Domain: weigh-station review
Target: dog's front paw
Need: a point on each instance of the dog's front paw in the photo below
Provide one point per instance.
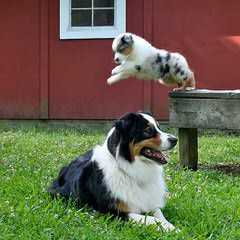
(165, 226)
(149, 220)
(168, 227)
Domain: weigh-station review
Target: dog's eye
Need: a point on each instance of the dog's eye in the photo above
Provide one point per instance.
(148, 131)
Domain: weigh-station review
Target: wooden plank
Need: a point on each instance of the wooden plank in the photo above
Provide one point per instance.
(147, 32)
(204, 93)
(44, 59)
(204, 113)
(188, 148)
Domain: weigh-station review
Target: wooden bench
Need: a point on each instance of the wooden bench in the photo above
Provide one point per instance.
(190, 110)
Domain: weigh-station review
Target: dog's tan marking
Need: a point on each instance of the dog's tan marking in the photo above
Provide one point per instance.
(167, 81)
(122, 207)
(136, 148)
(131, 149)
(188, 84)
(191, 83)
(127, 51)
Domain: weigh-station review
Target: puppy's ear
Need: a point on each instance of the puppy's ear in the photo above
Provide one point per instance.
(127, 39)
(123, 125)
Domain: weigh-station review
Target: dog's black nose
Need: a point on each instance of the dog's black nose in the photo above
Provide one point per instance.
(116, 60)
(173, 140)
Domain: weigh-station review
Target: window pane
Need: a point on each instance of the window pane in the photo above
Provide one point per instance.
(104, 17)
(81, 18)
(103, 3)
(81, 3)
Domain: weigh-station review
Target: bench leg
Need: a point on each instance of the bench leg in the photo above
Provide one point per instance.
(188, 149)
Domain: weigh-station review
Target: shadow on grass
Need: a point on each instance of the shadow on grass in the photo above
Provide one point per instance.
(230, 169)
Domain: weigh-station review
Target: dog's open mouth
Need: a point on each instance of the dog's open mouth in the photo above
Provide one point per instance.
(154, 155)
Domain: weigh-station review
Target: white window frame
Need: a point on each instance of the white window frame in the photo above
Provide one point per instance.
(69, 32)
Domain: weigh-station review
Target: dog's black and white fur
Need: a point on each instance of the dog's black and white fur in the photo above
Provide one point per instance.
(124, 176)
(138, 58)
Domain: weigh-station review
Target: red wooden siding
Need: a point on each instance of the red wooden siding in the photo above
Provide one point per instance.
(207, 33)
(79, 69)
(19, 61)
(44, 77)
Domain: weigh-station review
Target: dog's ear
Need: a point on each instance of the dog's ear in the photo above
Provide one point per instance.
(146, 112)
(127, 39)
(123, 125)
(125, 130)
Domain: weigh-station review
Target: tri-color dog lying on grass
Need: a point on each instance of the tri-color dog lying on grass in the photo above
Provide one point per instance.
(138, 58)
(124, 176)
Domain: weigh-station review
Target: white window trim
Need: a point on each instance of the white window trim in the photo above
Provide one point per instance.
(68, 32)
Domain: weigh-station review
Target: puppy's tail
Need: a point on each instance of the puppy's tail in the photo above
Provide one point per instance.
(191, 82)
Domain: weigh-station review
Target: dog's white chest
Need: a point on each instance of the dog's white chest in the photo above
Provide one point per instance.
(139, 197)
(141, 187)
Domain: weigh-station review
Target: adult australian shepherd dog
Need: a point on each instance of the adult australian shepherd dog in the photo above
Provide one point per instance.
(124, 176)
(138, 58)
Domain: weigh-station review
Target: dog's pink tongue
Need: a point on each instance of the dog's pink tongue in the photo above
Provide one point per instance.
(154, 155)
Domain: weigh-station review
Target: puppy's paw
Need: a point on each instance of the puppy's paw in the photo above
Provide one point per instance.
(111, 80)
(189, 88)
(115, 71)
(183, 89)
(178, 89)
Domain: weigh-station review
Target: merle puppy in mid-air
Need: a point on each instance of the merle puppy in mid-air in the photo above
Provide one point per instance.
(138, 58)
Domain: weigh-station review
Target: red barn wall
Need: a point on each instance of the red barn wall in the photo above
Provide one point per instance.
(19, 61)
(79, 69)
(207, 33)
(44, 77)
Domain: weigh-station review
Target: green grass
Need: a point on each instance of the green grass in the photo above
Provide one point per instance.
(204, 204)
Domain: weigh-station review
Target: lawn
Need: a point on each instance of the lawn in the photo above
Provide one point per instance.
(204, 204)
